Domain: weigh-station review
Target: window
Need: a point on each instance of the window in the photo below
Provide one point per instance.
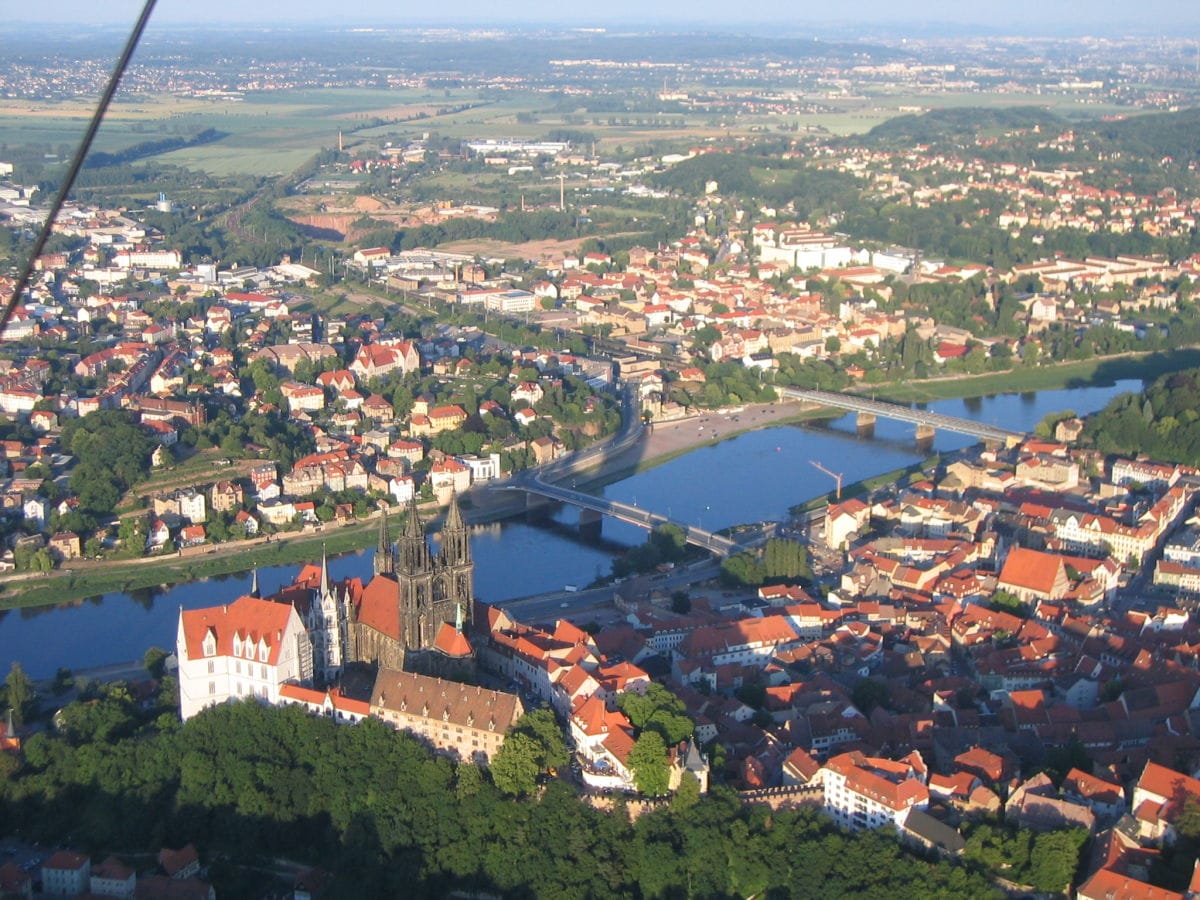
(212, 667)
(212, 688)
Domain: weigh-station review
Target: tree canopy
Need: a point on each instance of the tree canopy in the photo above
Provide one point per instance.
(246, 781)
(113, 455)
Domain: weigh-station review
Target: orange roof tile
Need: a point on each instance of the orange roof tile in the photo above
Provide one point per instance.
(247, 618)
(452, 642)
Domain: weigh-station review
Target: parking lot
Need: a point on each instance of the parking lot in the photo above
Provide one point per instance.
(29, 857)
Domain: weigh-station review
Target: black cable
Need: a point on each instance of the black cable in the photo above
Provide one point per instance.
(77, 162)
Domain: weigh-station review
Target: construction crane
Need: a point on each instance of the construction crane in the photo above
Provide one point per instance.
(836, 476)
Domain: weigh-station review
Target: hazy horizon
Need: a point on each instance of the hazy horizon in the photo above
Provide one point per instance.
(1018, 17)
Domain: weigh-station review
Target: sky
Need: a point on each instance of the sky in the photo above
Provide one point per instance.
(1168, 17)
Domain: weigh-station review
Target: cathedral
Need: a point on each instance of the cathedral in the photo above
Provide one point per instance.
(413, 612)
(412, 615)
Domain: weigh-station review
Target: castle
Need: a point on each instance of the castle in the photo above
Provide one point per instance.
(411, 616)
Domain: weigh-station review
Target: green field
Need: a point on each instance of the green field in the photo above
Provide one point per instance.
(274, 132)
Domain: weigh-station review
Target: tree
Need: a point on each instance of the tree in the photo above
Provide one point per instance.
(515, 766)
(742, 569)
(1054, 858)
(155, 661)
(19, 693)
(687, 795)
(869, 693)
(648, 762)
(657, 710)
(542, 728)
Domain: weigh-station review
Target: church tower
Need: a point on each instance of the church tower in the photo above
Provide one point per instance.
(385, 561)
(415, 583)
(455, 566)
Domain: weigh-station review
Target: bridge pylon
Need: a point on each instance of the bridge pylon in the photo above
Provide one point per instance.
(864, 423)
(591, 522)
(925, 435)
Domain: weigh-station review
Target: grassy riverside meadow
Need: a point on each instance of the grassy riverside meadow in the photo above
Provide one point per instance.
(68, 585)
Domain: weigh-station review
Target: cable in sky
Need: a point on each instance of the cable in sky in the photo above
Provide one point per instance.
(77, 162)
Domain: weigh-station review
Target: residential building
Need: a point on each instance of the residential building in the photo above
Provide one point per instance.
(66, 874)
(870, 792)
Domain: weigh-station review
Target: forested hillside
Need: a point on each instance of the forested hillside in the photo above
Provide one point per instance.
(247, 783)
(1162, 422)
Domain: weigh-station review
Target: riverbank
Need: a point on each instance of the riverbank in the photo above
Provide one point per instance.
(665, 441)
(1058, 376)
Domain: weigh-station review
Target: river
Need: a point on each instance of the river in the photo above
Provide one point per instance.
(753, 477)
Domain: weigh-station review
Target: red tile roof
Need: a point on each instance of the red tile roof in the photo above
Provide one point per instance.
(247, 618)
(452, 642)
(380, 607)
(1031, 569)
(1109, 885)
(66, 859)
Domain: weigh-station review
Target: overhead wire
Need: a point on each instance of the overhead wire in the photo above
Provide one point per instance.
(81, 153)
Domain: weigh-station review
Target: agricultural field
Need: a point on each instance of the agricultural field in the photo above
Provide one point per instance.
(272, 133)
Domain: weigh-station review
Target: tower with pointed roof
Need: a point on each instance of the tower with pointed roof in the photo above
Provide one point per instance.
(328, 624)
(414, 593)
(456, 569)
(385, 562)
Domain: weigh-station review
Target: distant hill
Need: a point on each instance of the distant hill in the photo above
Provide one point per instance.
(1150, 137)
(1154, 136)
(959, 125)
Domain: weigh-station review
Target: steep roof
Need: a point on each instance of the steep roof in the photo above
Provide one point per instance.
(1114, 886)
(436, 698)
(246, 618)
(66, 859)
(1031, 569)
(452, 642)
(380, 607)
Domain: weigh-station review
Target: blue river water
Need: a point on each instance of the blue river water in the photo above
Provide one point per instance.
(753, 477)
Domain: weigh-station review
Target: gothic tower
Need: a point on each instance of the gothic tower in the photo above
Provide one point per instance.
(455, 566)
(385, 561)
(415, 583)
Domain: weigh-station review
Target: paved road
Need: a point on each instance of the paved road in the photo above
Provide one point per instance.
(542, 607)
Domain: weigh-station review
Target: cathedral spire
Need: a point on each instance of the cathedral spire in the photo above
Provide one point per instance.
(413, 553)
(254, 592)
(385, 564)
(454, 520)
(412, 524)
(324, 573)
(456, 543)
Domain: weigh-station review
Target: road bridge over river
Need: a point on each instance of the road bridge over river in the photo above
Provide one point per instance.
(926, 420)
(715, 543)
